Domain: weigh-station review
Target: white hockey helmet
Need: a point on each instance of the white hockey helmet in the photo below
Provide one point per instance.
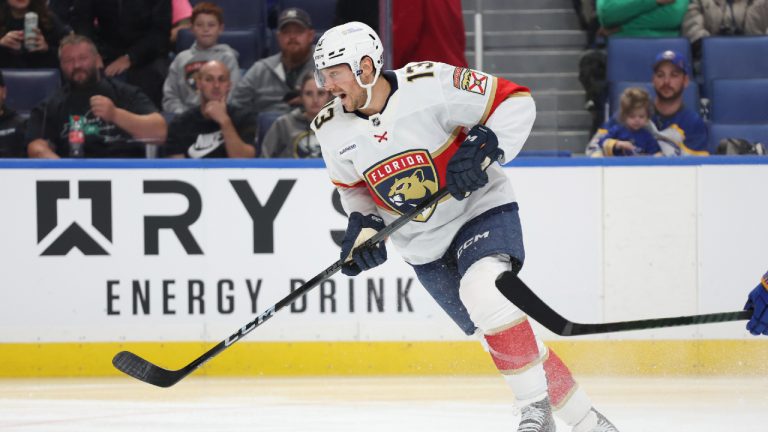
(349, 44)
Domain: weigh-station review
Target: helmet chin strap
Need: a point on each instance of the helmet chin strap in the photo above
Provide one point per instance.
(368, 89)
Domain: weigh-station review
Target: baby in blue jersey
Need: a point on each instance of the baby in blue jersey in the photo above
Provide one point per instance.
(629, 137)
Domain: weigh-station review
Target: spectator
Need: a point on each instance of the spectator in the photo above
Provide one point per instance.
(660, 18)
(213, 129)
(179, 91)
(290, 136)
(11, 128)
(270, 84)
(63, 10)
(132, 37)
(629, 136)
(585, 10)
(678, 129)
(422, 32)
(41, 53)
(706, 18)
(112, 119)
(757, 22)
(181, 13)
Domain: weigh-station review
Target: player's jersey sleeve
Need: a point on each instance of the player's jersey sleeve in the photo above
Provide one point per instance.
(474, 97)
(351, 186)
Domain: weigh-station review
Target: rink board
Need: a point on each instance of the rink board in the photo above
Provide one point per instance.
(179, 255)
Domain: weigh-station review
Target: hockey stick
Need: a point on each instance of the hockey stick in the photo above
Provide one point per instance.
(523, 297)
(148, 372)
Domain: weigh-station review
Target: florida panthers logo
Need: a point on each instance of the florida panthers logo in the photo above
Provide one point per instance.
(401, 182)
(409, 191)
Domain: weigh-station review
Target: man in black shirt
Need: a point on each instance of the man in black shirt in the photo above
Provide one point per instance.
(132, 37)
(111, 119)
(214, 129)
(11, 128)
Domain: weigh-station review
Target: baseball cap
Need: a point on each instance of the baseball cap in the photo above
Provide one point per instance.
(294, 15)
(2, 81)
(673, 57)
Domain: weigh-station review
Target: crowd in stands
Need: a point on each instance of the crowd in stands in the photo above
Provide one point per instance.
(150, 78)
(130, 82)
(685, 70)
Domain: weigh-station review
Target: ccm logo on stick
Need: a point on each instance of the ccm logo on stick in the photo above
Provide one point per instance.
(250, 326)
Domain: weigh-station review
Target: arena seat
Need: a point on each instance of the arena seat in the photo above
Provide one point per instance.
(28, 87)
(245, 41)
(240, 14)
(737, 101)
(751, 132)
(631, 59)
(733, 57)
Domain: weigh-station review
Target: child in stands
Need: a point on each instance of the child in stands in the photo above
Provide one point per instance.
(179, 91)
(630, 136)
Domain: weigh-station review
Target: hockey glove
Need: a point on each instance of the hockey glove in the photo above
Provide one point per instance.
(466, 169)
(758, 301)
(359, 229)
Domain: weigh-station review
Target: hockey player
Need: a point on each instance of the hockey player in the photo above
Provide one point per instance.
(758, 301)
(391, 139)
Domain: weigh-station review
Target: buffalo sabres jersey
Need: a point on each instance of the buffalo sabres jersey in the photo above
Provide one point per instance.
(387, 163)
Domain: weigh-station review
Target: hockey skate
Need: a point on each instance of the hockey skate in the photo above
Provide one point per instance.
(601, 424)
(537, 417)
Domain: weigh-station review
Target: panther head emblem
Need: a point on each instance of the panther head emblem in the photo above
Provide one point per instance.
(411, 190)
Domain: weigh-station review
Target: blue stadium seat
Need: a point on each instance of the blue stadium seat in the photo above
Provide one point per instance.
(245, 41)
(28, 87)
(739, 101)
(263, 123)
(240, 14)
(733, 57)
(323, 12)
(631, 59)
(690, 94)
(751, 132)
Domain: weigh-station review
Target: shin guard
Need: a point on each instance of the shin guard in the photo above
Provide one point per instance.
(515, 352)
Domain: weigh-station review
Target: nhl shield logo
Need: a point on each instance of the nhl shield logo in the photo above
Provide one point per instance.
(403, 181)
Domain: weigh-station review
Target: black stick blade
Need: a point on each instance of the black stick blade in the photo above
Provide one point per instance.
(521, 296)
(135, 366)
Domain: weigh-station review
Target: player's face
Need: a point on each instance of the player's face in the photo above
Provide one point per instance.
(669, 82)
(213, 82)
(340, 81)
(2, 96)
(637, 119)
(313, 98)
(79, 64)
(207, 30)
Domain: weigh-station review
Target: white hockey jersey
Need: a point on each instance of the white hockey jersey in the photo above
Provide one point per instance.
(387, 163)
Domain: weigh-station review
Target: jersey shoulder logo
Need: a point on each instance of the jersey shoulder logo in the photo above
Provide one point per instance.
(470, 80)
(403, 181)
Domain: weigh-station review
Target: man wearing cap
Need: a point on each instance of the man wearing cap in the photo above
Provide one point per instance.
(270, 84)
(11, 128)
(679, 129)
